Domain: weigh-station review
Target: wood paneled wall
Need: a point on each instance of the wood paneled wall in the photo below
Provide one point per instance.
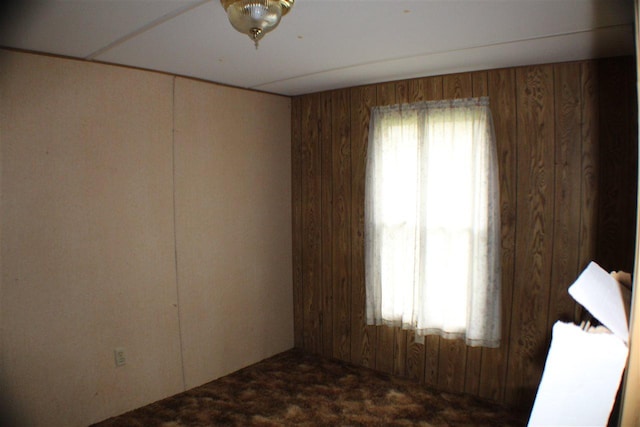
(547, 121)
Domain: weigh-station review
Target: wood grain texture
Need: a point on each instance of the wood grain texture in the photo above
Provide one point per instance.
(453, 353)
(631, 165)
(402, 92)
(480, 83)
(609, 153)
(386, 93)
(617, 157)
(363, 337)
(341, 224)
(568, 176)
(625, 242)
(326, 230)
(630, 412)
(385, 345)
(311, 224)
(502, 98)
(617, 149)
(416, 91)
(550, 133)
(296, 206)
(534, 234)
(589, 132)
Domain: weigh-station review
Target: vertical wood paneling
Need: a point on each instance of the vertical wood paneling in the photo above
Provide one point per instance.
(326, 230)
(416, 90)
(386, 342)
(402, 91)
(453, 353)
(631, 389)
(432, 87)
(457, 86)
(363, 337)
(556, 127)
(341, 224)
(311, 224)
(296, 204)
(617, 154)
(589, 167)
(480, 83)
(502, 91)
(535, 178)
(386, 93)
(611, 125)
(625, 253)
(568, 177)
(631, 164)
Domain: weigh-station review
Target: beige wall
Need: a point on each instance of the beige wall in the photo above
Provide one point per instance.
(132, 218)
(233, 222)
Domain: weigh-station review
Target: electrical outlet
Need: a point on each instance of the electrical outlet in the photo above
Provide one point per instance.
(120, 357)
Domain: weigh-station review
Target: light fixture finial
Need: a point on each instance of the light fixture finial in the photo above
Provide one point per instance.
(256, 35)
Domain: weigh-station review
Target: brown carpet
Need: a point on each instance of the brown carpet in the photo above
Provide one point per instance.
(298, 389)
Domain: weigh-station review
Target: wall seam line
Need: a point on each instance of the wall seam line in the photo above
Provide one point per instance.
(175, 233)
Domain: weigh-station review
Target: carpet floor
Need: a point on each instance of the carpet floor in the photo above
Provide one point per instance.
(298, 389)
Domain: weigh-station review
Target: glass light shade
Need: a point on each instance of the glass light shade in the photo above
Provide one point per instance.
(255, 18)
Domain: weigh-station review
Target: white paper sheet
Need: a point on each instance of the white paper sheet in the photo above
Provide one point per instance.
(581, 378)
(601, 294)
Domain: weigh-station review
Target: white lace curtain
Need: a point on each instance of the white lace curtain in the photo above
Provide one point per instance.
(432, 225)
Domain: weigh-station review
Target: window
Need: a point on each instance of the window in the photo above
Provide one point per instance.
(432, 226)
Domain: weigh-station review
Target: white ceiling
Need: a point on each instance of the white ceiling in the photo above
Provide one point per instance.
(323, 44)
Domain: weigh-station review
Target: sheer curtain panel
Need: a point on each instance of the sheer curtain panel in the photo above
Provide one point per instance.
(432, 225)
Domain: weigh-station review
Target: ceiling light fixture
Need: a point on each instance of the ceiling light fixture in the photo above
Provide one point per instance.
(255, 18)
